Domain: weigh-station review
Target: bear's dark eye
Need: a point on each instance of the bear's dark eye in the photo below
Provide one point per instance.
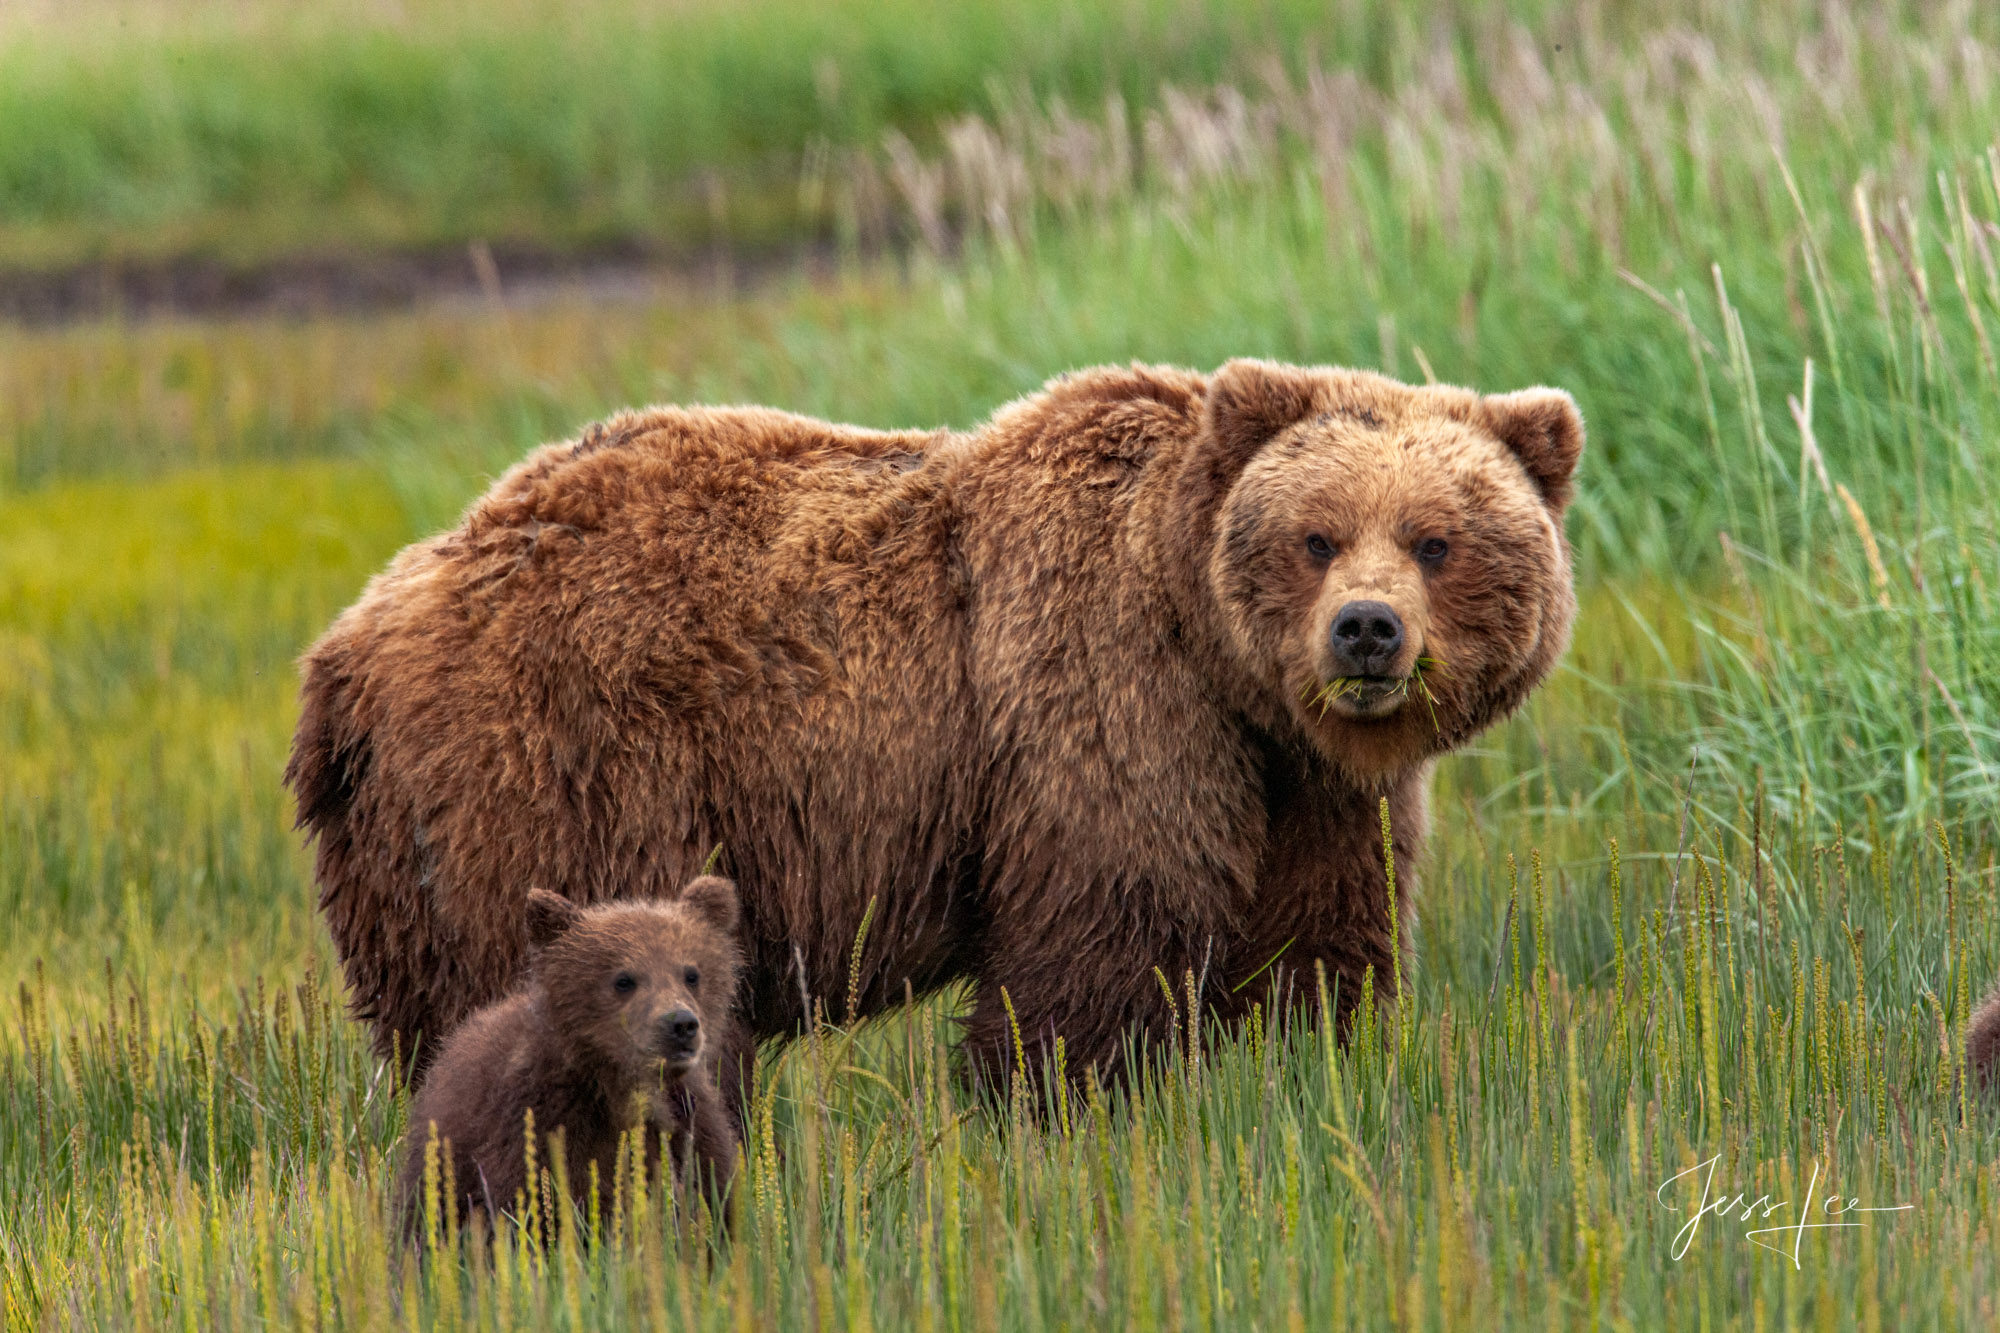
(1432, 549)
(625, 983)
(1319, 548)
(692, 977)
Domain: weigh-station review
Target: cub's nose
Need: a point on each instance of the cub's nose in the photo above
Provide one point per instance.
(679, 1034)
(1366, 638)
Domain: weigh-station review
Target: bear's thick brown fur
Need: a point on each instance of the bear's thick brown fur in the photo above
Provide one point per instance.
(618, 1027)
(1982, 1044)
(1051, 695)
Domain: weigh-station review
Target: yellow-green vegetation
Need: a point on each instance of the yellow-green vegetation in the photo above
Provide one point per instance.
(1726, 889)
(246, 131)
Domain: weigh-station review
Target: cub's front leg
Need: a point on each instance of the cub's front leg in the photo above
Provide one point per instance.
(701, 1142)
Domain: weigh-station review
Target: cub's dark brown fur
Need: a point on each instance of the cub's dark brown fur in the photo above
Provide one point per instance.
(1051, 695)
(1982, 1044)
(618, 1026)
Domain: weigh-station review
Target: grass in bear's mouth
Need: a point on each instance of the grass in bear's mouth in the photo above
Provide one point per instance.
(1416, 683)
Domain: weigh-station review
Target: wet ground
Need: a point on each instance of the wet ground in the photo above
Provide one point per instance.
(313, 285)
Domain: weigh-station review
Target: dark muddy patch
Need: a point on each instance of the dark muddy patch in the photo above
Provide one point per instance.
(308, 286)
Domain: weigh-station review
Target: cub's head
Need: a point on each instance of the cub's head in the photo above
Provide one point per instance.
(638, 986)
(1389, 560)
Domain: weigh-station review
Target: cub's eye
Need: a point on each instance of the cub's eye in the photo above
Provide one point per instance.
(692, 977)
(1432, 549)
(1319, 548)
(625, 983)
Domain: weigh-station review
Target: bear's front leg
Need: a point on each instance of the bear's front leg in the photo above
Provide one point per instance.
(1095, 994)
(1322, 903)
(712, 1144)
(735, 1068)
(692, 1148)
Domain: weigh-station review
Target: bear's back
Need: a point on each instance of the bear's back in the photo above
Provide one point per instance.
(748, 464)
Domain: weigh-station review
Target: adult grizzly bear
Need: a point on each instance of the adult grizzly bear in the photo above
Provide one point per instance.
(1112, 682)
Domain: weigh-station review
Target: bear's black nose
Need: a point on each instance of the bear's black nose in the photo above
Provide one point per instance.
(1366, 638)
(679, 1031)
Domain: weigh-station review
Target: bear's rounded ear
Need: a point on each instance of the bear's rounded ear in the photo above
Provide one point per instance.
(1545, 431)
(1249, 402)
(549, 915)
(712, 899)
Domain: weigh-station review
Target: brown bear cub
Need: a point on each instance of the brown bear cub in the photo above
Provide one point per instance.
(617, 1027)
(1982, 1045)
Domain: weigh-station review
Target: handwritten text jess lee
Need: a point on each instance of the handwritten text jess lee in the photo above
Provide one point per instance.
(1762, 1208)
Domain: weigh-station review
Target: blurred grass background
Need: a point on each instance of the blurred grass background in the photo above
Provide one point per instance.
(1762, 247)
(254, 129)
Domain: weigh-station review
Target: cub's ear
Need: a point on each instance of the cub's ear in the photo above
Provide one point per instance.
(1249, 402)
(549, 915)
(1545, 431)
(712, 899)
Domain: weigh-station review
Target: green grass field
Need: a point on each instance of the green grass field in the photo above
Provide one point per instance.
(1726, 889)
(247, 130)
